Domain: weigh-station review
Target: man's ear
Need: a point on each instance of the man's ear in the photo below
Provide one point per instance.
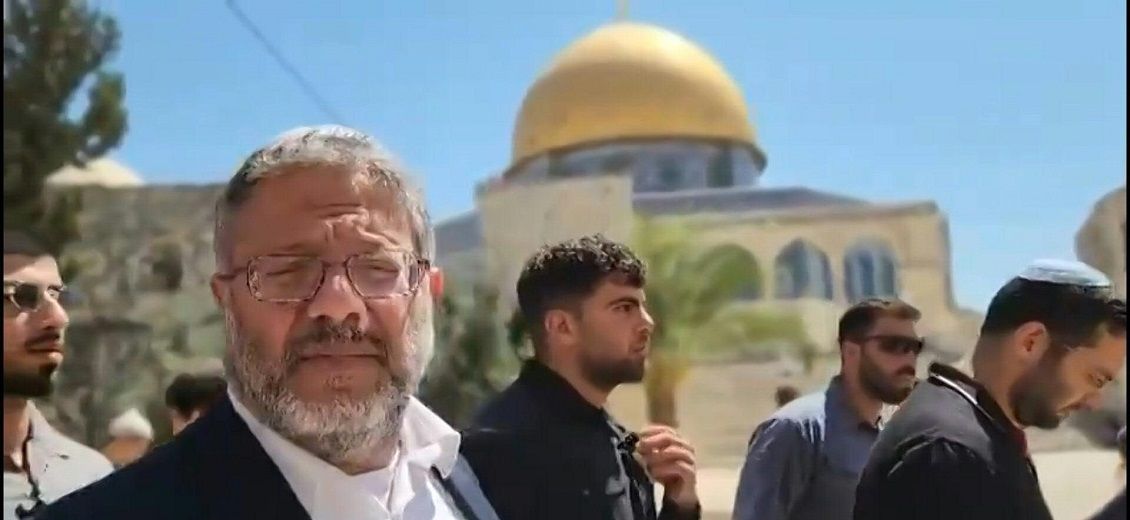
(436, 283)
(1031, 340)
(219, 290)
(561, 324)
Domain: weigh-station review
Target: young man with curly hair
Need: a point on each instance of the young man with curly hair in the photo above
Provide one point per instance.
(546, 447)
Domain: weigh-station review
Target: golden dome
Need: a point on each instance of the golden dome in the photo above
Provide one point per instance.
(629, 81)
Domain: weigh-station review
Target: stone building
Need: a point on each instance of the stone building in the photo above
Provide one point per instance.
(642, 103)
(1101, 242)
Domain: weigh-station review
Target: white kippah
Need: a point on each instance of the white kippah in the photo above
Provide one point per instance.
(1065, 272)
(131, 424)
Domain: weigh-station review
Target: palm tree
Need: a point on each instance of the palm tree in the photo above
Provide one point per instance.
(691, 292)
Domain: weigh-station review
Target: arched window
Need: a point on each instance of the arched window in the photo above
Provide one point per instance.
(870, 271)
(669, 175)
(720, 169)
(802, 271)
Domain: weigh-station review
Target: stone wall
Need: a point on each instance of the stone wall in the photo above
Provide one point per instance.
(917, 234)
(1101, 242)
(517, 220)
(143, 309)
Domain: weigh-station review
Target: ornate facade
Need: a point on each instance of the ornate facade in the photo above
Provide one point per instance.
(641, 103)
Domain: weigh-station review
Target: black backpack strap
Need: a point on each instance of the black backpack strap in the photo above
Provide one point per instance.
(463, 487)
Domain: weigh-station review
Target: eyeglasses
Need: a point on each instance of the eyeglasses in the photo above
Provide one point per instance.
(293, 279)
(27, 297)
(898, 345)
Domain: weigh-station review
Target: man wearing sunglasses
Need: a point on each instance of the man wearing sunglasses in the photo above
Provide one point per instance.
(804, 461)
(1052, 338)
(323, 273)
(40, 464)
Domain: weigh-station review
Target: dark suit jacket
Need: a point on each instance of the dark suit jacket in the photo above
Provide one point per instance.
(216, 470)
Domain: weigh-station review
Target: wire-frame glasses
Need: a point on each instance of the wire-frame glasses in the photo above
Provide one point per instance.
(296, 278)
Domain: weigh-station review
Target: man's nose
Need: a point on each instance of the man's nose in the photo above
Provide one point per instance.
(337, 300)
(648, 321)
(52, 314)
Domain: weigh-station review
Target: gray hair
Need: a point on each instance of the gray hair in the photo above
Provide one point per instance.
(329, 145)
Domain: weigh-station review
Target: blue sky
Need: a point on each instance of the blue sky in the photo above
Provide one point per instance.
(1010, 114)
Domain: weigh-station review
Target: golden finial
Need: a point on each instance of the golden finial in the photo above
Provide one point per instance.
(621, 9)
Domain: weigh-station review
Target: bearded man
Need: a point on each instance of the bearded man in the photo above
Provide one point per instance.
(323, 253)
(1052, 338)
(40, 463)
(546, 447)
(804, 461)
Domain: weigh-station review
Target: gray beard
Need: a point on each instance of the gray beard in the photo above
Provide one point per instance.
(339, 431)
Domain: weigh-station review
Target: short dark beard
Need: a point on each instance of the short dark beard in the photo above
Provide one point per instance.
(1034, 395)
(30, 385)
(878, 385)
(607, 375)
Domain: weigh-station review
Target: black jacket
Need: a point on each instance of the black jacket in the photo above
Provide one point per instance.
(949, 452)
(216, 470)
(542, 452)
(1113, 510)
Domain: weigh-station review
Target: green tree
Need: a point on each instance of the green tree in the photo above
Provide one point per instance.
(469, 365)
(691, 292)
(53, 50)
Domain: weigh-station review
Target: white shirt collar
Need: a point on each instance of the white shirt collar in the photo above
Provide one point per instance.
(426, 441)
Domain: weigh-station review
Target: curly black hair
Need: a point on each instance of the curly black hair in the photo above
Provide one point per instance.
(560, 276)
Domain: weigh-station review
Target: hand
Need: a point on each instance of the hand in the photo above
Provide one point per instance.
(669, 459)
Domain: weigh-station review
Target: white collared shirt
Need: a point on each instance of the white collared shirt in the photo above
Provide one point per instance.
(405, 490)
(59, 465)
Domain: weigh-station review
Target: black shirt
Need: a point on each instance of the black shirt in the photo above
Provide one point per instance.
(950, 452)
(542, 452)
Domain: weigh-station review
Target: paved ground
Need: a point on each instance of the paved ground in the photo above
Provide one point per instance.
(1075, 484)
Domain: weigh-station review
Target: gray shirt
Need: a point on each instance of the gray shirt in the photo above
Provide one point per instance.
(58, 464)
(805, 460)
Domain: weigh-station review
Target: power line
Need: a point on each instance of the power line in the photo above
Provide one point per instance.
(307, 87)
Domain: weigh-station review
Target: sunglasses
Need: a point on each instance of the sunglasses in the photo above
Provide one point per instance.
(28, 297)
(898, 345)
